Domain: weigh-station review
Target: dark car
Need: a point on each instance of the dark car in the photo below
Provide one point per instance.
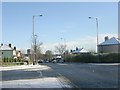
(40, 61)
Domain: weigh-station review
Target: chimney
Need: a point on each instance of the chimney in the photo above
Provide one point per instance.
(1, 44)
(106, 38)
(76, 48)
(10, 45)
(15, 48)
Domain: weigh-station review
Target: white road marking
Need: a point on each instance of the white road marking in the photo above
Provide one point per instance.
(104, 63)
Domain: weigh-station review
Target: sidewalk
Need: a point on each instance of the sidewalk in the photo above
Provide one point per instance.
(42, 82)
(23, 67)
(33, 83)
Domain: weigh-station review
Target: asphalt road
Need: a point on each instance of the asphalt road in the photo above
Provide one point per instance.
(88, 75)
(76, 75)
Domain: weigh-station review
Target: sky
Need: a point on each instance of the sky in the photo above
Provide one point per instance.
(66, 20)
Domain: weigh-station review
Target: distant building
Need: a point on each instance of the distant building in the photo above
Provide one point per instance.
(111, 45)
(78, 51)
(6, 51)
(28, 51)
(29, 54)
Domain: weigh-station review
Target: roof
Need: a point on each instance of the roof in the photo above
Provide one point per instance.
(82, 50)
(5, 47)
(111, 41)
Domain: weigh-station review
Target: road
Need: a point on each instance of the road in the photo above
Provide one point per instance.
(88, 75)
(76, 75)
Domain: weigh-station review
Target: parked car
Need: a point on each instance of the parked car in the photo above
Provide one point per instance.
(47, 61)
(61, 61)
(26, 60)
(54, 61)
(40, 61)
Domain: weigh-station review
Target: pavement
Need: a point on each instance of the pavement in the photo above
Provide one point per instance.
(40, 82)
(24, 67)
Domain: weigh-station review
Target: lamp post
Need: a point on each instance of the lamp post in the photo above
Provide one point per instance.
(64, 42)
(96, 30)
(34, 40)
(65, 46)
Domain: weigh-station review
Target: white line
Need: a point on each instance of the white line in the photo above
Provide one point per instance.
(104, 63)
(41, 74)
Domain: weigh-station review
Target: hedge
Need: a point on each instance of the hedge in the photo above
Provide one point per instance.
(93, 58)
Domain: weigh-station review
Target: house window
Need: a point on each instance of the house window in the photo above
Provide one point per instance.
(2, 52)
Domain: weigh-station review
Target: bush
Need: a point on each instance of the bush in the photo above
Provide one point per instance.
(112, 58)
(91, 58)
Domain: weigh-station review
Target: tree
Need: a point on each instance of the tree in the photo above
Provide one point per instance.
(39, 51)
(60, 49)
(48, 54)
(36, 51)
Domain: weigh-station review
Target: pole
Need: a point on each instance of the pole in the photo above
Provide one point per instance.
(97, 39)
(64, 46)
(97, 33)
(33, 43)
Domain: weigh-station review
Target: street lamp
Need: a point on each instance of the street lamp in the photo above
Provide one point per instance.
(64, 42)
(34, 40)
(65, 46)
(96, 29)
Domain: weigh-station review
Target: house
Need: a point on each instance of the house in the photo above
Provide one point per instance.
(111, 45)
(78, 51)
(6, 51)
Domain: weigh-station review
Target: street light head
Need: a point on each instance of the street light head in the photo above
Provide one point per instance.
(35, 35)
(41, 15)
(89, 17)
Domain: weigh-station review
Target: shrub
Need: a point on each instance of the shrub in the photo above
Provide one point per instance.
(112, 58)
(91, 58)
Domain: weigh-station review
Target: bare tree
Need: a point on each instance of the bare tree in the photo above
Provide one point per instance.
(36, 51)
(60, 49)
